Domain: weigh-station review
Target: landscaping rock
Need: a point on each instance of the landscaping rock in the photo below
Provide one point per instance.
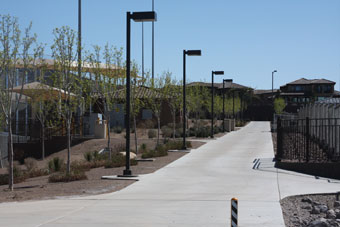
(307, 200)
(307, 207)
(315, 210)
(319, 223)
(331, 214)
(323, 208)
(337, 213)
(336, 204)
(132, 155)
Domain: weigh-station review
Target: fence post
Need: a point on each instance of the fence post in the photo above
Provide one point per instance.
(307, 139)
(278, 156)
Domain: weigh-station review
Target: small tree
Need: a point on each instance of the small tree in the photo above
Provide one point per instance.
(14, 54)
(279, 105)
(173, 95)
(156, 98)
(67, 83)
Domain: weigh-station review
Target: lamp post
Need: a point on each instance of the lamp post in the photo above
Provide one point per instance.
(225, 81)
(273, 82)
(189, 53)
(212, 99)
(137, 17)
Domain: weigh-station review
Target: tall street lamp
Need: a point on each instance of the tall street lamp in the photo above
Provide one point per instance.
(212, 99)
(225, 81)
(189, 53)
(137, 17)
(273, 82)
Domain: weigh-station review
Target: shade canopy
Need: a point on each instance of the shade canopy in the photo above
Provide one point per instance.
(37, 90)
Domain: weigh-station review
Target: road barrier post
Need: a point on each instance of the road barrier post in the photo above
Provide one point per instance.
(234, 208)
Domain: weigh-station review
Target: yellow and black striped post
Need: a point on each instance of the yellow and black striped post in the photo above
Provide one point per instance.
(234, 202)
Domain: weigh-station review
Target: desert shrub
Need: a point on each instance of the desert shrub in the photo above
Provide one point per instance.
(74, 175)
(30, 164)
(240, 123)
(55, 164)
(37, 173)
(143, 148)
(203, 132)
(179, 132)
(118, 129)
(166, 131)
(216, 129)
(177, 145)
(192, 131)
(118, 160)
(18, 176)
(88, 156)
(80, 166)
(149, 124)
(3, 179)
(152, 133)
(154, 153)
(95, 155)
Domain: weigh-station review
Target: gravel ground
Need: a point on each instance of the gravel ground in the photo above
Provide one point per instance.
(316, 210)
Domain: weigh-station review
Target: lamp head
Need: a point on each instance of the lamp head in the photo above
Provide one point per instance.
(218, 72)
(144, 16)
(193, 52)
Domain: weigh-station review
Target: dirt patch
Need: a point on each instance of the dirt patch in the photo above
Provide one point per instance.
(39, 187)
(311, 210)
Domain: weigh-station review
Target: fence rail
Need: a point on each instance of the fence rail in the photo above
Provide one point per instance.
(308, 140)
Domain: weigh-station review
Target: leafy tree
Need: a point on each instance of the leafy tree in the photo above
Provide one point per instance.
(68, 84)
(103, 83)
(279, 105)
(14, 54)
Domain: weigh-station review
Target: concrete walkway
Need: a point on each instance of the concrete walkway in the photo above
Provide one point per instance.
(192, 191)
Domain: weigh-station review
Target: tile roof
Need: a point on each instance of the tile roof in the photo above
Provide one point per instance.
(311, 81)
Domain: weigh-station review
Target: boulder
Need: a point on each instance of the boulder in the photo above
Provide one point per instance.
(336, 204)
(319, 223)
(132, 155)
(306, 200)
(331, 214)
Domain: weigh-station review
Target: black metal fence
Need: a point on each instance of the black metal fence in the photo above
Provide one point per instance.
(308, 140)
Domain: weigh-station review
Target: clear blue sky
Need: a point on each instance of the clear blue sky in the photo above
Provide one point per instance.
(247, 39)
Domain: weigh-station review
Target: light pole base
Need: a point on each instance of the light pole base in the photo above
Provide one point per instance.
(126, 173)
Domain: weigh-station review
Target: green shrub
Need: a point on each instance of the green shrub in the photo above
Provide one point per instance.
(203, 132)
(118, 129)
(88, 156)
(118, 160)
(143, 148)
(152, 133)
(155, 153)
(18, 176)
(55, 164)
(166, 131)
(64, 177)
